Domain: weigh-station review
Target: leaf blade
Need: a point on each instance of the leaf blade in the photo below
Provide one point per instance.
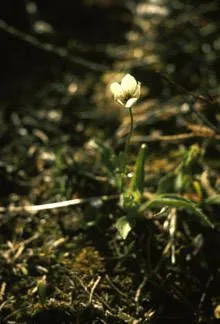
(123, 226)
(177, 202)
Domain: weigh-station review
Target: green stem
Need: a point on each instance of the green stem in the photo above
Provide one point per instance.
(129, 137)
(126, 150)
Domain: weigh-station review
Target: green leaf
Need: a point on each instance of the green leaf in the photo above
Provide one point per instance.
(213, 200)
(42, 289)
(177, 202)
(106, 154)
(167, 183)
(107, 157)
(138, 178)
(123, 226)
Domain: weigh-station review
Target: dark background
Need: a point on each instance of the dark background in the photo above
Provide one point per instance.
(185, 47)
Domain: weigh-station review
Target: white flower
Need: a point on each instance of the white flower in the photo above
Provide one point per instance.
(127, 92)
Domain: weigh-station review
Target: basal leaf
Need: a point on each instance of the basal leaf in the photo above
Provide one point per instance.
(177, 202)
(123, 226)
(213, 200)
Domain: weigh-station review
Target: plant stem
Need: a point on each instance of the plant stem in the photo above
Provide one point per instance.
(129, 137)
(127, 144)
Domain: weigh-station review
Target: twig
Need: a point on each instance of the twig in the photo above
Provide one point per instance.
(170, 138)
(193, 95)
(2, 291)
(114, 287)
(93, 289)
(57, 50)
(60, 204)
(206, 184)
(172, 231)
(202, 118)
(204, 294)
(139, 290)
(97, 297)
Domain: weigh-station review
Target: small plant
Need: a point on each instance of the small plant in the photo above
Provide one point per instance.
(172, 189)
(130, 185)
(126, 94)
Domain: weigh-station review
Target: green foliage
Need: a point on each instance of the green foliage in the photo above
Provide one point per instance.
(179, 203)
(182, 179)
(69, 265)
(123, 226)
(213, 200)
(112, 163)
(107, 156)
(42, 289)
(137, 183)
(167, 183)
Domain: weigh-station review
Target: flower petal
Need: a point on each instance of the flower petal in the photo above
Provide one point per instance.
(137, 92)
(116, 90)
(118, 100)
(129, 84)
(130, 102)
